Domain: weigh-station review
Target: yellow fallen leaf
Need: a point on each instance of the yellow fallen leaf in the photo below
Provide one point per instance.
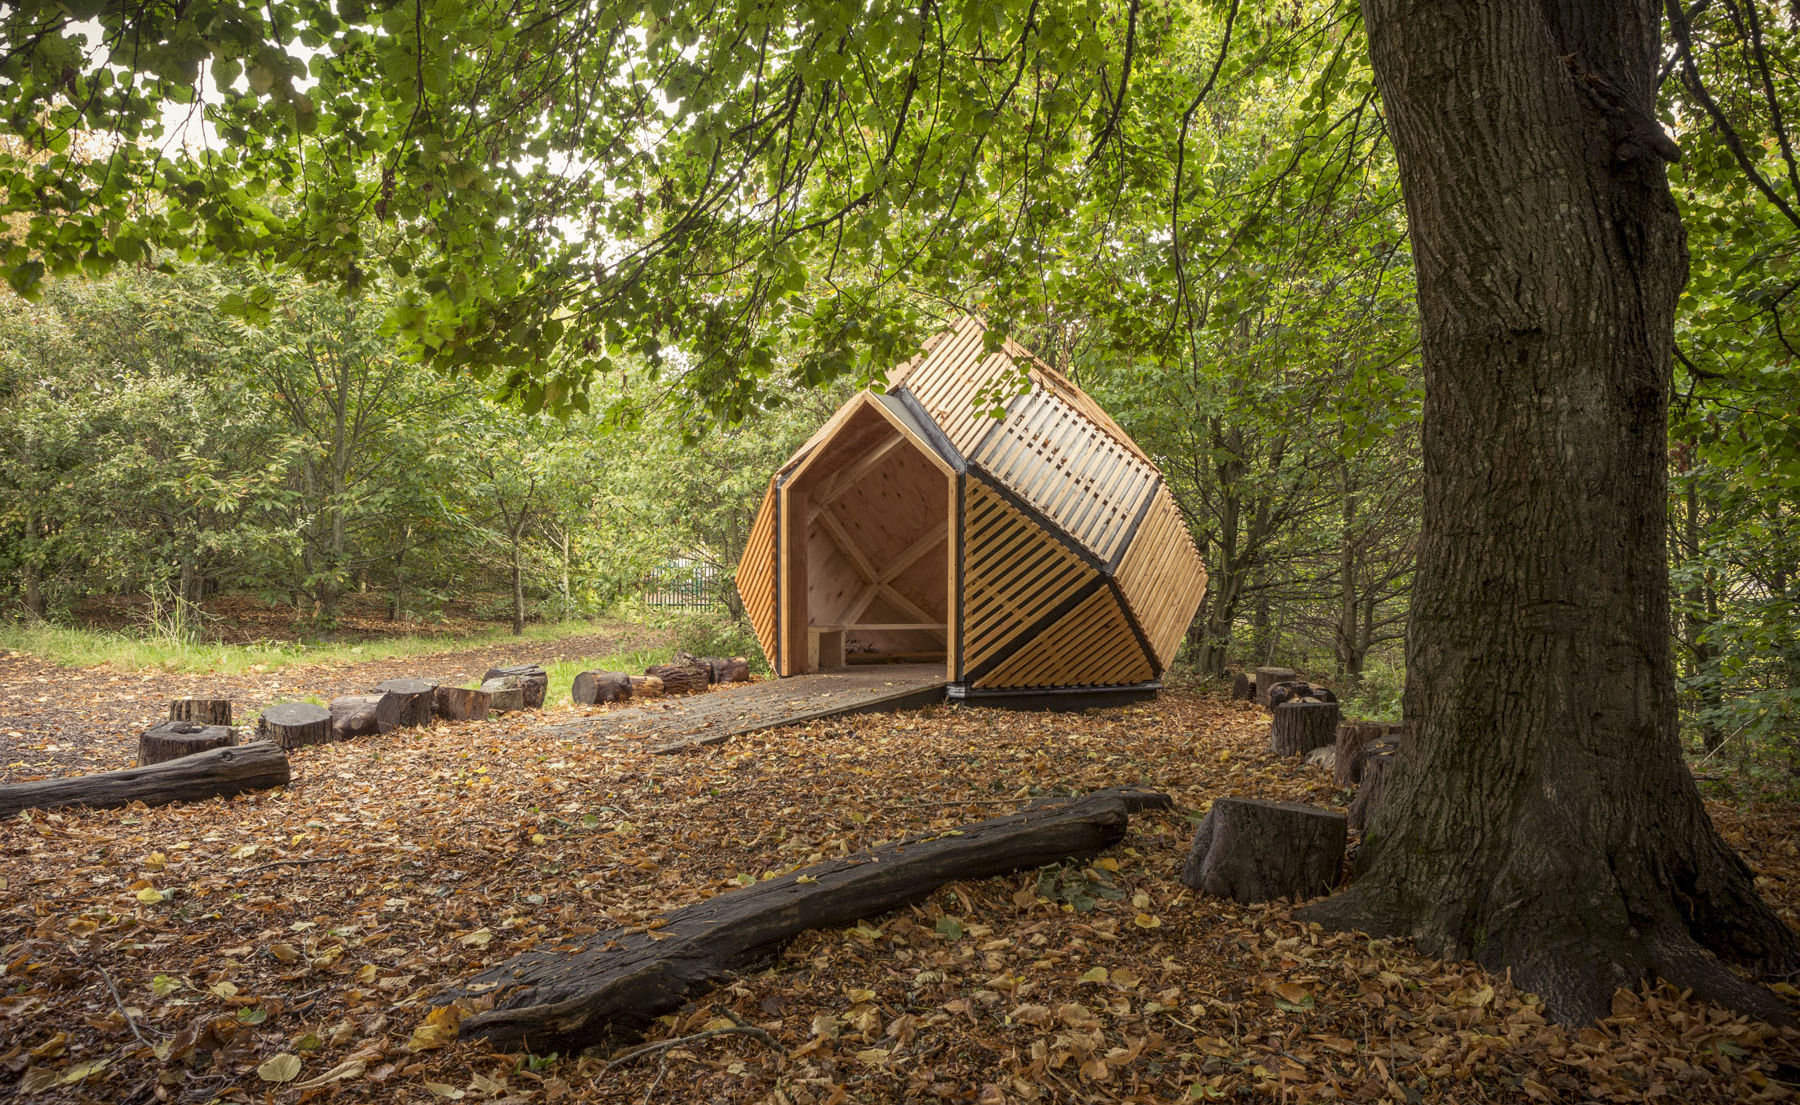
(480, 938)
(224, 989)
(150, 895)
(282, 1068)
(284, 952)
(1147, 921)
(439, 1089)
(1094, 974)
(437, 1029)
(1288, 991)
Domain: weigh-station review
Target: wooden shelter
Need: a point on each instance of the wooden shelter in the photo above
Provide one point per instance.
(1035, 553)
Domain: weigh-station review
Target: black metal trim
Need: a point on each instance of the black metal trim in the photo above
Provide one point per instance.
(1143, 639)
(1055, 698)
(1030, 632)
(961, 507)
(933, 432)
(1112, 566)
(1043, 522)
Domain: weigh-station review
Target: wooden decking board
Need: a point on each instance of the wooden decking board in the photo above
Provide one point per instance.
(717, 715)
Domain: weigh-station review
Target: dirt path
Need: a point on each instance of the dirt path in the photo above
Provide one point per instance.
(57, 721)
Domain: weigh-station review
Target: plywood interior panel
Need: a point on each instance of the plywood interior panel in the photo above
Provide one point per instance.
(1015, 573)
(1091, 645)
(1162, 576)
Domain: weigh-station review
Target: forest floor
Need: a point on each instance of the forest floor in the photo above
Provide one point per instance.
(286, 946)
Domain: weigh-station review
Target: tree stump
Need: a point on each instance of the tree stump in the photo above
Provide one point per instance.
(595, 687)
(205, 711)
(361, 715)
(1351, 737)
(736, 669)
(293, 724)
(1298, 689)
(1299, 727)
(681, 678)
(1266, 678)
(460, 704)
(1377, 765)
(219, 772)
(505, 693)
(1243, 688)
(415, 699)
(1254, 851)
(646, 686)
(172, 740)
(534, 681)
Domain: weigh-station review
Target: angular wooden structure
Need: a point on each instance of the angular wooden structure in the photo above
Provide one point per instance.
(1036, 553)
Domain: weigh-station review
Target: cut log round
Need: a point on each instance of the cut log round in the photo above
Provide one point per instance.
(1298, 690)
(220, 772)
(174, 739)
(681, 678)
(361, 715)
(594, 687)
(1377, 764)
(1299, 727)
(506, 693)
(646, 686)
(1252, 850)
(1351, 736)
(293, 724)
(460, 704)
(624, 978)
(206, 711)
(1243, 688)
(533, 682)
(735, 669)
(1266, 678)
(415, 695)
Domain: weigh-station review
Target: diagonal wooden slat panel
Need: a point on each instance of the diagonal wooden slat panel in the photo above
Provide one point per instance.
(1162, 576)
(1014, 574)
(1092, 645)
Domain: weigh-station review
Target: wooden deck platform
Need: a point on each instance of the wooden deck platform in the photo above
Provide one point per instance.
(683, 722)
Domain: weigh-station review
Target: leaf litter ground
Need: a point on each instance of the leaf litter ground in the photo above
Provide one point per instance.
(286, 946)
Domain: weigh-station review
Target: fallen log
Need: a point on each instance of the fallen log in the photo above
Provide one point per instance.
(625, 978)
(206, 711)
(415, 699)
(218, 773)
(734, 669)
(172, 740)
(292, 724)
(680, 678)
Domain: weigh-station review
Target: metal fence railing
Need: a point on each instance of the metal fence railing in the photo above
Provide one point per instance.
(689, 587)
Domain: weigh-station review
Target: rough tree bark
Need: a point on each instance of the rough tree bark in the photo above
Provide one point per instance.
(1540, 816)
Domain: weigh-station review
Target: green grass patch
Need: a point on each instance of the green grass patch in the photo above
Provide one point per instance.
(86, 648)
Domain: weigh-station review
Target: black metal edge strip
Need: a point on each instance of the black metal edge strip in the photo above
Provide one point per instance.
(933, 432)
(963, 693)
(1143, 639)
(1026, 635)
(1013, 500)
(961, 507)
(1112, 566)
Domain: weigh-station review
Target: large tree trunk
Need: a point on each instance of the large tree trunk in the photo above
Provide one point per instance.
(1540, 817)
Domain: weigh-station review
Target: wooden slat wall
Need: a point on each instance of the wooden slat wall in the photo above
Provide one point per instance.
(756, 575)
(1070, 469)
(1014, 574)
(1162, 576)
(1091, 645)
(946, 382)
